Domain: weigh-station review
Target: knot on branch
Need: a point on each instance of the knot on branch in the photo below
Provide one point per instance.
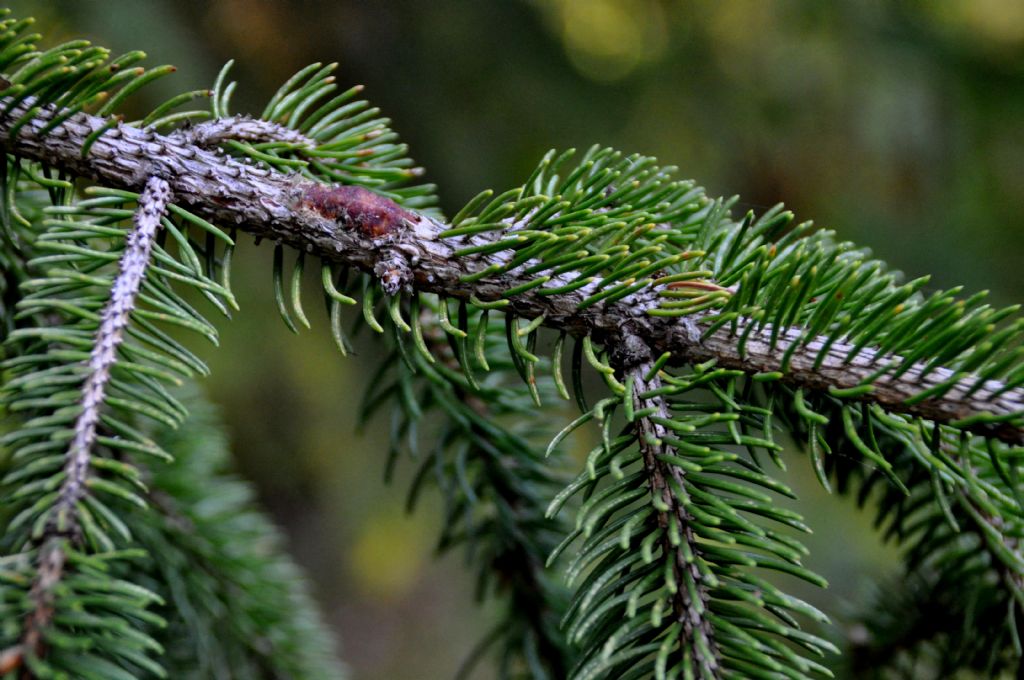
(629, 349)
(393, 271)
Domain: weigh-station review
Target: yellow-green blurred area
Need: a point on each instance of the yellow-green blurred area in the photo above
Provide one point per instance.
(899, 124)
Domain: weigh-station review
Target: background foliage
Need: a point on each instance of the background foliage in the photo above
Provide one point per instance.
(900, 124)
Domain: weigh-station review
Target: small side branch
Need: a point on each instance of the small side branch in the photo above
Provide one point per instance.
(62, 524)
(109, 336)
(240, 129)
(668, 487)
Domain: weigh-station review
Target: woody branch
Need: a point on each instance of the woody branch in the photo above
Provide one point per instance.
(404, 250)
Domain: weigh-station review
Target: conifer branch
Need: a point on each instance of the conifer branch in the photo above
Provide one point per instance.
(676, 518)
(62, 522)
(696, 639)
(405, 250)
(109, 336)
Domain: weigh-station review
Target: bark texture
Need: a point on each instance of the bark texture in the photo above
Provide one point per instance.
(405, 251)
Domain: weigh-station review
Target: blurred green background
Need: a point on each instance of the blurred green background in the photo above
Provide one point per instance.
(899, 124)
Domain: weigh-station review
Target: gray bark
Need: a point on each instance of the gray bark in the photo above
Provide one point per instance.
(697, 630)
(405, 251)
(109, 336)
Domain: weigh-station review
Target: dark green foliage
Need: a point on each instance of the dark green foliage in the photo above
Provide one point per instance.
(926, 626)
(234, 606)
(629, 579)
(960, 524)
(473, 436)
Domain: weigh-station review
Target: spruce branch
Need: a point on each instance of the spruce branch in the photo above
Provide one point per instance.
(690, 602)
(113, 321)
(675, 518)
(406, 249)
(748, 319)
(674, 526)
(62, 522)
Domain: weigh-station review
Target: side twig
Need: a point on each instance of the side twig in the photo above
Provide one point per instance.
(690, 603)
(62, 524)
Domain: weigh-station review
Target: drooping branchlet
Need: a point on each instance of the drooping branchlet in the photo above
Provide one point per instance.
(114, 320)
(63, 521)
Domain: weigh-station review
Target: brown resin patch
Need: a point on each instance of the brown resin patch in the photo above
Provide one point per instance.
(357, 208)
